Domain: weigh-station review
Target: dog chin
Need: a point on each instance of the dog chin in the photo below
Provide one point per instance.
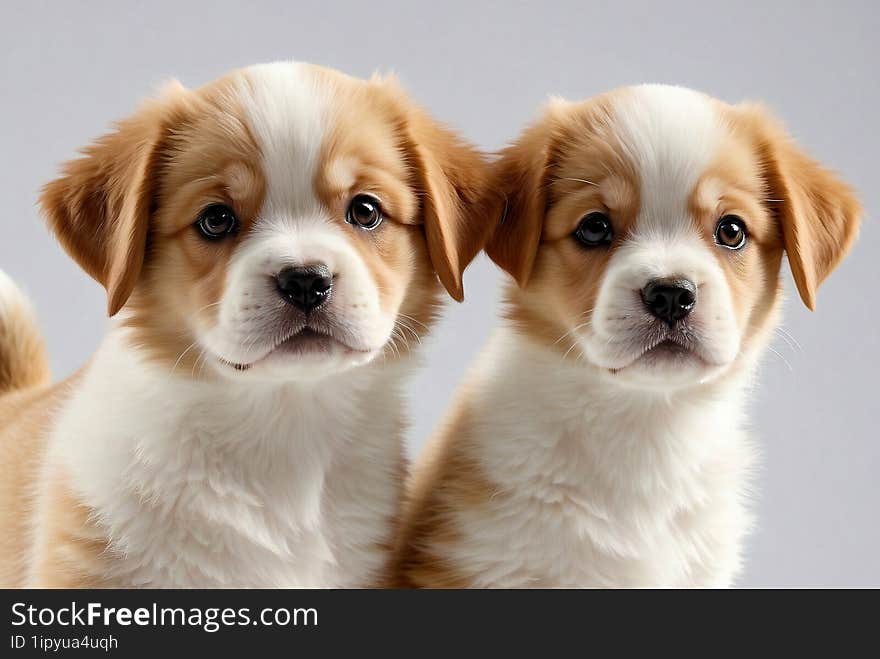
(308, 355)
(665, 366)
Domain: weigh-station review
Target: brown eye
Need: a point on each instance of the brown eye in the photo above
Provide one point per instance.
(594, 229)
(217, 221)
(731, 232)
(365, 212)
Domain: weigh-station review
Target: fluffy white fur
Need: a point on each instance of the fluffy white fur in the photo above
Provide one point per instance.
(305, 505)
(603, 485)
(672, 134)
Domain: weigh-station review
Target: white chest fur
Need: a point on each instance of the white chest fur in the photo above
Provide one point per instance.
(234, 485)
(600, 486)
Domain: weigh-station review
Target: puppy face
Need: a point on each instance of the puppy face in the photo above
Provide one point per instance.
(646, 229)
(286, 221)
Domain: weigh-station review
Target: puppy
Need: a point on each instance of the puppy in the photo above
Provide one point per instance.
(599, 440)
(270, 244)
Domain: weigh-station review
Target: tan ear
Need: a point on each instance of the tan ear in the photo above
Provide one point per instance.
(100, 206)
(819, 213)
(452, 178)
(520, 176)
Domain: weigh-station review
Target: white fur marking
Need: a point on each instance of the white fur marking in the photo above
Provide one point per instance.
(672, 135)
(285, 106)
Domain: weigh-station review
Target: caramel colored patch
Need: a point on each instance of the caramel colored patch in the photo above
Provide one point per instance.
(23, 359)
(73, 552)
(125, 211)
(733, 185)
(567, 165)
(67, 550)
(449, 178)
(209, 158)
(444, 481)
(431, 186)
(361, 155)
(819, 214)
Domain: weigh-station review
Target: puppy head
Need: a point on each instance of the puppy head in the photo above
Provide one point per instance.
(285, 221)
(646, 228)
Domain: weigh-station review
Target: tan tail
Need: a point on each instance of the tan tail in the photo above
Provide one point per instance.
(23, 361)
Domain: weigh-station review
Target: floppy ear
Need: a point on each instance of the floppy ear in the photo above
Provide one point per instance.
(100, 206)
(452, 178)
(819, 213)
(520, 177)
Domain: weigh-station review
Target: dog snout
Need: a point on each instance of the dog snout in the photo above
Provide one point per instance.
(306, 288)
(670, 299)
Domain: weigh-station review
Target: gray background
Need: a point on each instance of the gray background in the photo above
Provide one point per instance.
(69, 68)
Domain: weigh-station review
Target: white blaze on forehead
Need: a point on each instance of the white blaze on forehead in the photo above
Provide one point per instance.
(285, 105)
(672, 135)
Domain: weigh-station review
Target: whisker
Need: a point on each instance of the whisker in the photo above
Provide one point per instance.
(786, 342)
(207, 306)
(204, 363)
(192, 372)
(392, 343)
(403, 315)
(177, 363)
(572, 347)
(573, 329)
(784, 360)
(406, 342)
(576, 180)
(790, 337)
(411, 330)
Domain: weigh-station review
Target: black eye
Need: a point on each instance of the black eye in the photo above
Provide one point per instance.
(594, 229)
(365, 212)
(731, 232)
(217, 221)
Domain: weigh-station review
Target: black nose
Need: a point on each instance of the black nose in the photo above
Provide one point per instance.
(305, 288)
(670, 300)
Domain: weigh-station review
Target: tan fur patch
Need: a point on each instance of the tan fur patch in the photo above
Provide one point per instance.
(819, 214)
(431, 187)
(23, 360)
(573, 166)
(210, 158)
(70, 551)
(445, 480)
(733, 186)
(74, 549)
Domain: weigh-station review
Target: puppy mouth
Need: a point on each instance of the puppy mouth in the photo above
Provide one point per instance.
(669, 352)
(307, 341)
(670, 347)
